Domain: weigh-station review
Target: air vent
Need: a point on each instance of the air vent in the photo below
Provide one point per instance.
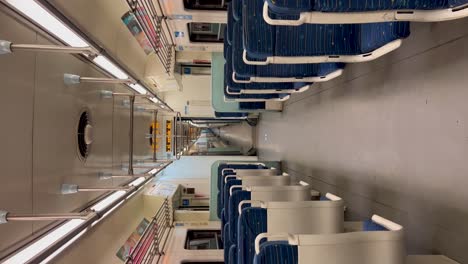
(84, 135)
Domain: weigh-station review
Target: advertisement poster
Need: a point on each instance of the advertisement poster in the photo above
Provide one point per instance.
(131, 22)
(125, 250)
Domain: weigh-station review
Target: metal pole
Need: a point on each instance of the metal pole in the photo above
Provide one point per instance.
(130, 136)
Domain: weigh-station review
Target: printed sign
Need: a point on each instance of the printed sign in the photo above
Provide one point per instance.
(180, 17)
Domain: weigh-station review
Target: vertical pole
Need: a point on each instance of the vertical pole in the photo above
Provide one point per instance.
(155, 134)
(130, 136)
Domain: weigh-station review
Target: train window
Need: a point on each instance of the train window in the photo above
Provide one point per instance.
(206, 32)
(205, 4)
(203, 240)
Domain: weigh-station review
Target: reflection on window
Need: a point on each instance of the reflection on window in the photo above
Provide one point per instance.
(203, 240)
(206, 32)
(205, 4)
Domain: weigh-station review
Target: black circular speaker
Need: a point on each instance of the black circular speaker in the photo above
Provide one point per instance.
(84, 135)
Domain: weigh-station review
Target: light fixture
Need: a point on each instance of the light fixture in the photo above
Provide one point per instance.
(155, 100)
(107, 201)
(153, 171)
(303, 183)
(110, 67)
(137, 181)
(49, 22)
(29, 252)
(138, 88)
(62, 248)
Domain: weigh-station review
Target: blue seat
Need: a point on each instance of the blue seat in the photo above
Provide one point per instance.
(231, 115)
(256, 89)
(275, 72)
(252, 106)
(282, 252)
(314, 42)
(220, 185)
(226, 242)
(235, 91)
(238, 166)
(315, 11)
(227, 195)
(233, 213)
(251, 223)
(277, 252)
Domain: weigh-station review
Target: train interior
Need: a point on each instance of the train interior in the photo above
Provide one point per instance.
(234, 131)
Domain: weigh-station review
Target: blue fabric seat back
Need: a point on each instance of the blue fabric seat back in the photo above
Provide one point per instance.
(237, 87)
(289, 6)
(251, 223)
(296, 6)
(369, 225)
(274, 70)
(233, 254)
(252, 106)
(256, 86)
(227, 33)
(262, 40)
(233, 211)
(376, 5)
(226, 195)
(236, 10)
(231, 115)
(253, 86)
(219, 205)
(223, 166)
(226, 242)
(277, 252)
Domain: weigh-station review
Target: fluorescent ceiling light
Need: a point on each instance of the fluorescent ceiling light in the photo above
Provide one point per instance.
(62, 248)
(107, 65)
(137, 181)
(137, 87)
(303, 183)
(107, 201)
(35, 248)
(41, 16)
(153, 171)
(155, 100)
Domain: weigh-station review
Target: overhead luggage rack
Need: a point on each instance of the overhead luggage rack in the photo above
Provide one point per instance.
(153, 23)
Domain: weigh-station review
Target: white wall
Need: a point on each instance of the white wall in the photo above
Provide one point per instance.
(195, 171)
(197, 90)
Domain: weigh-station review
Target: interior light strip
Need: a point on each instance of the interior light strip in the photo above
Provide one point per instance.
(138, 88)
(110, 67)
(48, 21)
(41, 16)
(108, 201)
(35, 248)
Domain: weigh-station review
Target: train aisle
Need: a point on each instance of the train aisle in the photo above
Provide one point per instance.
(390, 137)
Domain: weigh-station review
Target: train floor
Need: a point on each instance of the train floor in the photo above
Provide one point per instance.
(390, 137)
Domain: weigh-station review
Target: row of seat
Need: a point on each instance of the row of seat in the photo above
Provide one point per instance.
(275, 48)
(266, 218)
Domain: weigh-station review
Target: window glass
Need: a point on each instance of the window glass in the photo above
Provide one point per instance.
(205, 4)
(203, 240)
(206, 32)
